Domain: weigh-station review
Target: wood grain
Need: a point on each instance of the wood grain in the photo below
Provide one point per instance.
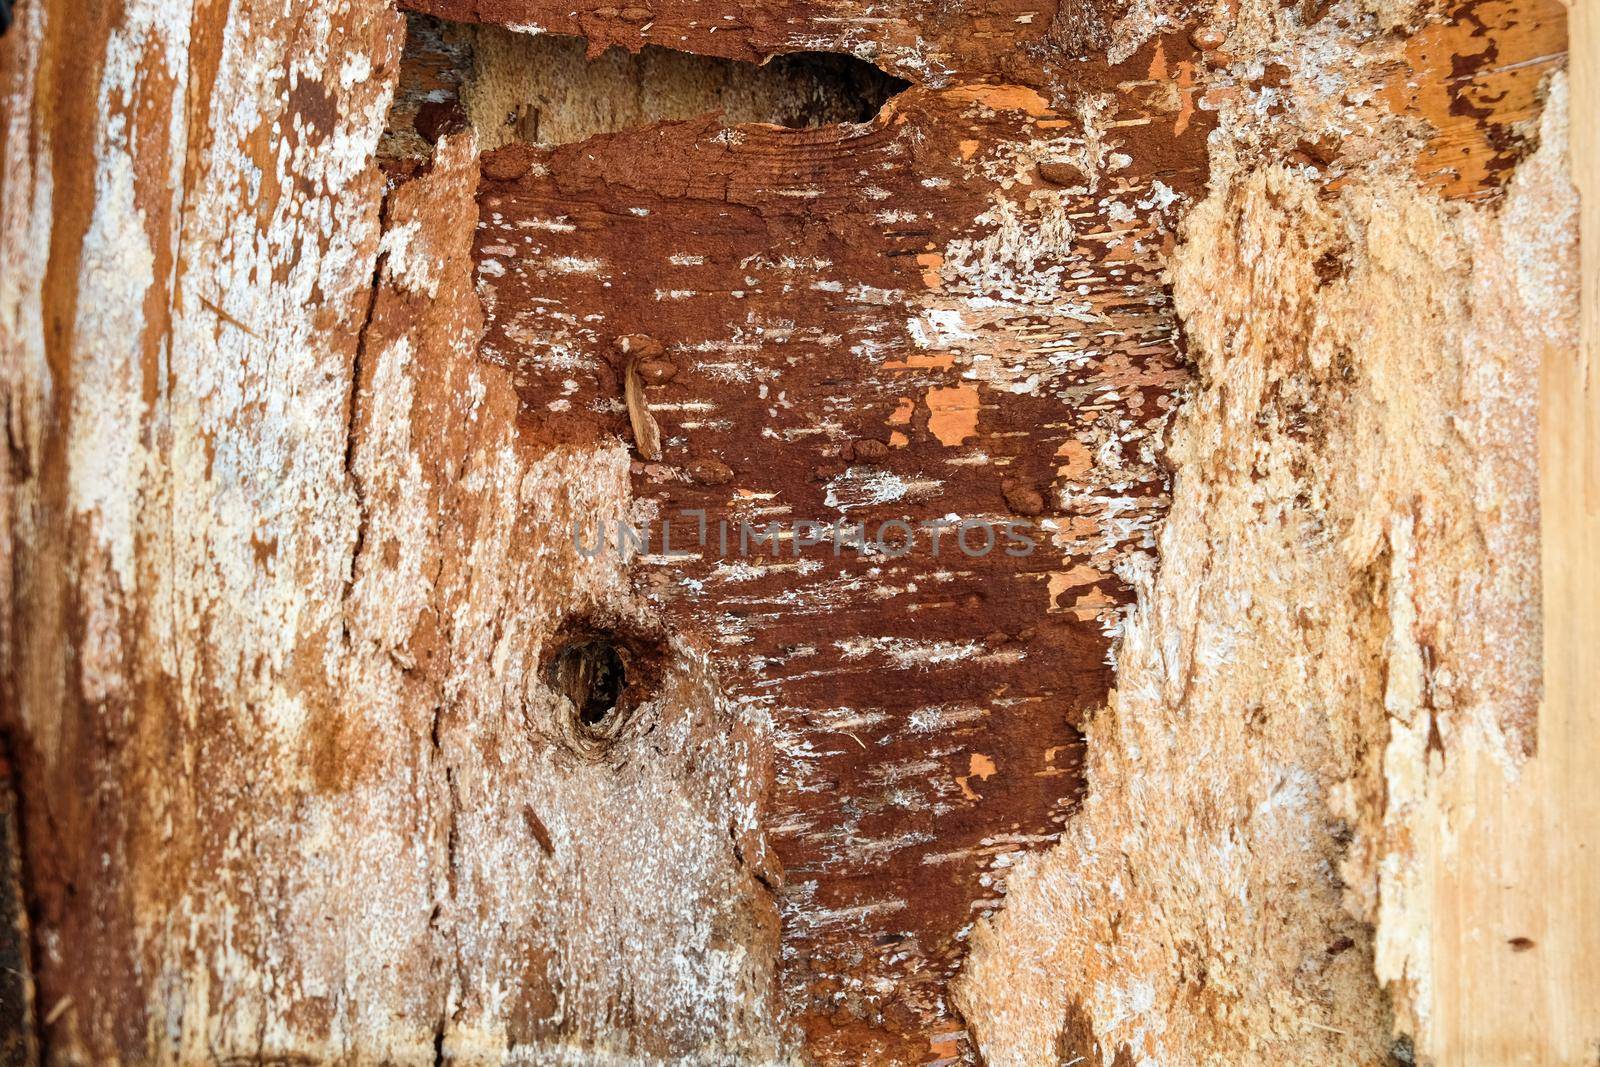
(1515, 927)
(1565, 870)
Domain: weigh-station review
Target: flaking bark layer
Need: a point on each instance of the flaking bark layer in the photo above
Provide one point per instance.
(304, 397)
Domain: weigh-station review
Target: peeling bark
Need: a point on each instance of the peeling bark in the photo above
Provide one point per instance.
(331, 334)
(1344, 621)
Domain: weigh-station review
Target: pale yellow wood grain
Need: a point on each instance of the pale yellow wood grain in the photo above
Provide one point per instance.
(1529, 860)
(1569, 724)
(1515, 862)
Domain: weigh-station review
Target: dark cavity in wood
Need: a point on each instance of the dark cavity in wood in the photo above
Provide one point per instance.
(549, 89)
(592, 676)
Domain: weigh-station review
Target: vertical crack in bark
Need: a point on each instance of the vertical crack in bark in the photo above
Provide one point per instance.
(21, 1032)
(445, 931)
(353, 413)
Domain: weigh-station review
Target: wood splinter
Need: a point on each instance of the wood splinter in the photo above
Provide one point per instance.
(646, 433)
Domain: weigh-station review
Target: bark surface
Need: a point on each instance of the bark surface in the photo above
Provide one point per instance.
(335, 337)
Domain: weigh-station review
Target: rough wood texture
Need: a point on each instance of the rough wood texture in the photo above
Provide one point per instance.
(1240, 307)
(924, 710)
(1560, 861)
(1364, 479)
(320, 803)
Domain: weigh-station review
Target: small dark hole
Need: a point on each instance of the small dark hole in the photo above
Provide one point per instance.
(592, 675)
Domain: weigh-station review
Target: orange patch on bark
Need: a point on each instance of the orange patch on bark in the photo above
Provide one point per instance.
(921, 359)
(980, 767)
(1076, 578)
(1003, 98)
(953, 413)
(1185, 98)
(1076, 453)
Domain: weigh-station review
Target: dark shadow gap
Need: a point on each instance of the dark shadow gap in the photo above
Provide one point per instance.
(541, 89)
(591, 675)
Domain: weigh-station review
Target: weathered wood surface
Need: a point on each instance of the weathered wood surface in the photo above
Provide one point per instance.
(304, 400)
(843, 343)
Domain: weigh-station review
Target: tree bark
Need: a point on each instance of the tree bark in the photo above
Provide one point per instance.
(348, 351)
